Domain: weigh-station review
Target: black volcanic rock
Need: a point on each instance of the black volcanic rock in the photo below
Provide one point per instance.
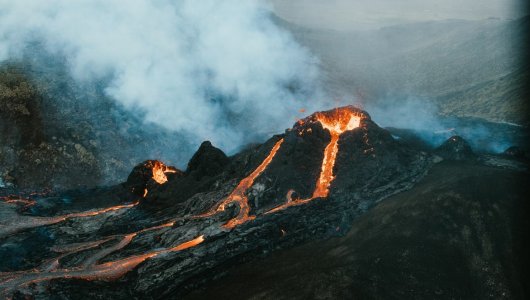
(369, 165)
(207, 161)
(204, 168)
(419, 244)
(141, 177)
(455, 148)
(515, 151)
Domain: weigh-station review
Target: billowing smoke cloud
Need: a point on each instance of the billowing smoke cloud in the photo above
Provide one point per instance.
(422, 117)
(219, 70)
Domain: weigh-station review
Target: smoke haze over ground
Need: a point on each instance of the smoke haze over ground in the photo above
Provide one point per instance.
(217, 70)
(367, 14)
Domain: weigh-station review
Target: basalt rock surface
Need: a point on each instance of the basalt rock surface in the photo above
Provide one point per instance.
(455, 148)
(308, 183)
(515, 151)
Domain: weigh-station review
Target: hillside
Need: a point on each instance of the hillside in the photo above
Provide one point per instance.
(460, 233)
(467, 68)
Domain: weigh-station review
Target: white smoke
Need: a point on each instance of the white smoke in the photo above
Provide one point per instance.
(218, 69)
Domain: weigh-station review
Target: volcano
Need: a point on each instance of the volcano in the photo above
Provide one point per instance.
(166, 231)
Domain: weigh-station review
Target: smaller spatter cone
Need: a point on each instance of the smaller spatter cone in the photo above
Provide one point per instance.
(515, 152)
(455, 148)
(149, 174)
(204, 173)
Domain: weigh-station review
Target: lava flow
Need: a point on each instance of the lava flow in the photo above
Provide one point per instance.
(336, 121)
(92, 213)
(89, 269)
(108, 271)
(18, 200)
(26, 222)
(239, 196)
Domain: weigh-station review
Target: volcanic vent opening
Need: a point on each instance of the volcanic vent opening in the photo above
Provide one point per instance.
(160, 170)
(336, 122)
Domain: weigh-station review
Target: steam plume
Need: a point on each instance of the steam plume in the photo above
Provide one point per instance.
(220, 70)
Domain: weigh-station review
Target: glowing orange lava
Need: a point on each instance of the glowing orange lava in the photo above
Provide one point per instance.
(336, 122)
(159, 173)
(18, 200)
(115, 269)
(97, 212)
(238, 194)
(108, 271)
(26, 222)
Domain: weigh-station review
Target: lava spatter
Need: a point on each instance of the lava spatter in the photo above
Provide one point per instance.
(159, 172)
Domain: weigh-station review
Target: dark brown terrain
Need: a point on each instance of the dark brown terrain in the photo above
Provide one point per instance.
(460, 233)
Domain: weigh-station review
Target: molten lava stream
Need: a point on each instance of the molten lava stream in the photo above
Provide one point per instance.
(18, 200)
(338, 122)
(98, 212)
(50, 268)
(107, 271)
(238, 195)
(26, 222)
(126, 240)
(54, 264)
(92, 260)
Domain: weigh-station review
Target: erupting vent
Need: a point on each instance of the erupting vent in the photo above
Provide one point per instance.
(159, 172)
(336, 121)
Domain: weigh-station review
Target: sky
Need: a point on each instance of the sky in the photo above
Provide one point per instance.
(370, 14)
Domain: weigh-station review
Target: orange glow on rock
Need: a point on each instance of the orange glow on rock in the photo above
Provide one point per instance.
(337, 122)
(108, 271)
(97, 212)
(113, 270)
(159, 172)
(18, 200)
(238, 195)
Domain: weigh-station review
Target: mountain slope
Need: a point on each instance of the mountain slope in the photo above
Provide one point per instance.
(461, 233)
(435, 61)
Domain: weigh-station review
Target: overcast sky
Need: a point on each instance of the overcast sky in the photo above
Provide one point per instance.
(366, 14)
